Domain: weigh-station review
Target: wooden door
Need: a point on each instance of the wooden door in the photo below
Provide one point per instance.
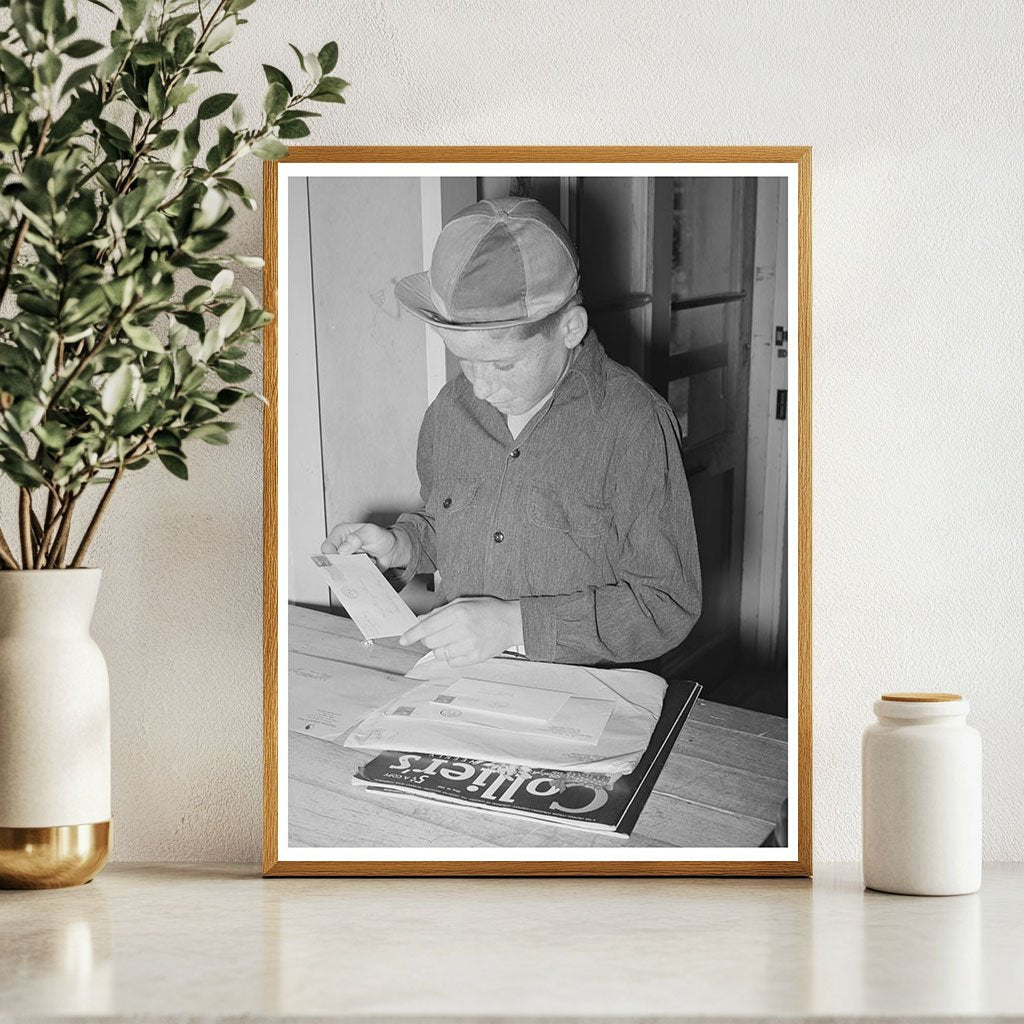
(667, 266)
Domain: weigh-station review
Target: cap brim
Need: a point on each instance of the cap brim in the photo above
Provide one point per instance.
(413, 295)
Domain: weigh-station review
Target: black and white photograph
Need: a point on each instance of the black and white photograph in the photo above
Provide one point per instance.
(536, 521)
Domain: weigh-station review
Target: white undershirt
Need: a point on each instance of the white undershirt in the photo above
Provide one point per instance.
(516, 421)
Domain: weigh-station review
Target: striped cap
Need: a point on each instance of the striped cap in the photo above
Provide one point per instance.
(498, 263)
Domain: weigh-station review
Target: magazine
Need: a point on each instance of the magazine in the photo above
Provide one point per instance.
(583, 800)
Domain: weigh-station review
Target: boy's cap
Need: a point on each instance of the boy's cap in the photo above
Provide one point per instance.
(498, 263)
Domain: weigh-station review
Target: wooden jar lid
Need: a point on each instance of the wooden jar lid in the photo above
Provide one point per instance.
(921, 698)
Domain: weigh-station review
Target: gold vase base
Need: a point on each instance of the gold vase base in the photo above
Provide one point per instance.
(53, 857)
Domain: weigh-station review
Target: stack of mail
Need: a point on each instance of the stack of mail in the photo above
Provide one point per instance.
(514, 711)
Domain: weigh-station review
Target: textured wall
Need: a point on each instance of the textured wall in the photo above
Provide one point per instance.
(914, 115)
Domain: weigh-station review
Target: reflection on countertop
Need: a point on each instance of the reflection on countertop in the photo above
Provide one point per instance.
(177, 941)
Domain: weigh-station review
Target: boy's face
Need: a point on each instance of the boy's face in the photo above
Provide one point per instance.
(512, 375)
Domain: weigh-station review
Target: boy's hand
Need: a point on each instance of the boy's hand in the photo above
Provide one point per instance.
(389, 550)
(468, 630)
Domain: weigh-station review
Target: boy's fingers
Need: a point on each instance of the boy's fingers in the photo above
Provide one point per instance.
(327, 548)
(338, 533)
(427, 625)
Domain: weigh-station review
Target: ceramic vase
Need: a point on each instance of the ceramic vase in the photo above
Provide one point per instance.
(54, 731)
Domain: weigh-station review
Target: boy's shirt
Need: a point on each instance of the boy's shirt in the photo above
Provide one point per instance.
(584, 517)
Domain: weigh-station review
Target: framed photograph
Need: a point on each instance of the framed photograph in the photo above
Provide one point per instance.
(538, 511)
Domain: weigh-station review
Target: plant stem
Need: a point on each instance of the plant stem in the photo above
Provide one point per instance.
(37, 529)
(85, 359)
(25, 521)
(60, 544)
(54, 506)
(19, 234)
(6, 555)
(97, 516)
(51, 508)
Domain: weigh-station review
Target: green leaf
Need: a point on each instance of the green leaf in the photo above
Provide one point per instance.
(222, 282)
(184, 44)
(53, 15)
(53, 435)
(149, 53)
(216, 104)
(21, 471)
(227, 397)
(328, 57)
(143, 338)
(274, 75)
(221, 35)
(232, 373)
(292, 130)
(156, 99)
(193, 379)
(106, 68)
(128, 421)
(181, 94)
(311, 66)
(49, 68)
(83, 48)
(232, 319)
(116, 390)
(12, 356)
(26, 21)
(276, 99)
(334, 84)
(133, 12)
(26, 414)
(196, 296)
(16, 70)
(269, 149)
(323, 96)
(175, 465)
(211, 433)
(163, 139)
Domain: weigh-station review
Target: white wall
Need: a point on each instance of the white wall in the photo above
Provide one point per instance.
(913, 110)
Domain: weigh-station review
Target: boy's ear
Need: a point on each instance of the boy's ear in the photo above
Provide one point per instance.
(574, 326)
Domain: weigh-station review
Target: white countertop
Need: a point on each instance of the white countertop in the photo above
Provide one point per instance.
(180, 941)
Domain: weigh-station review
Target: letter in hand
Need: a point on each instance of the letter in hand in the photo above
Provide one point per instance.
(469, 630)
(381, 545)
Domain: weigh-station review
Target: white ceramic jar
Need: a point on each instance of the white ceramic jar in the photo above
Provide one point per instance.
(921, 778)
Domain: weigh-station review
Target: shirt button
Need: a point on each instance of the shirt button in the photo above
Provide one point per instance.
(498, 536)
(447, 503)
(514, 454)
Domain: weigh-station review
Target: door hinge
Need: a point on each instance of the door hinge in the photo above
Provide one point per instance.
(781, 335)
(780, 403)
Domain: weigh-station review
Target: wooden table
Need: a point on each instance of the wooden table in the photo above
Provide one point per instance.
(721, 786)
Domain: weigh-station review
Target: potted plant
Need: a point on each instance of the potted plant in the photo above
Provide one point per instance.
(122, 340)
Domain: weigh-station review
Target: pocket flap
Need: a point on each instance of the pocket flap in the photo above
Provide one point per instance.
(552, 508)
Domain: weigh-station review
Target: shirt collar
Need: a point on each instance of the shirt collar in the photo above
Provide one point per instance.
(588, 372)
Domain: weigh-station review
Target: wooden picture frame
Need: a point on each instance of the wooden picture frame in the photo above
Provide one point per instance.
(791, 167)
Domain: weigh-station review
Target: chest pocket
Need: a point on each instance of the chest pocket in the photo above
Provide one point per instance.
(453, 496)
(552, 509)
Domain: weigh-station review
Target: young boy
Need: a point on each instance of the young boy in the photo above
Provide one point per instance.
(555, 504)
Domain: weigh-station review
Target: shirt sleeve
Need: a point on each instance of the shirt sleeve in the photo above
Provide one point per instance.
(656, 598)
(419, 526)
